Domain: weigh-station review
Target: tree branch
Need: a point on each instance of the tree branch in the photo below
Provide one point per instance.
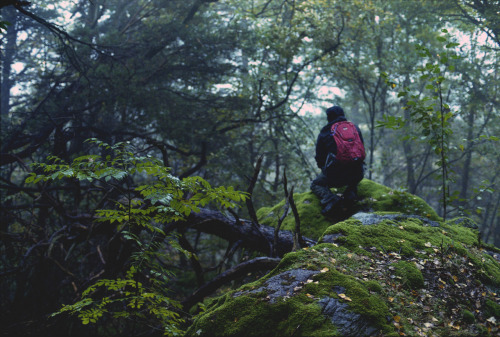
(257, 264)
(230, 229)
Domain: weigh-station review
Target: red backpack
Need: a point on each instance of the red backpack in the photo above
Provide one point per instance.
(350, 148)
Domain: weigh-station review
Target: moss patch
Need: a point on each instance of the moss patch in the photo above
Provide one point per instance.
(299, 313)
(380, 198)
(407, 237)
(406, 273)
(411, 277)
(308, 206)
(249, 316)
(374, 198)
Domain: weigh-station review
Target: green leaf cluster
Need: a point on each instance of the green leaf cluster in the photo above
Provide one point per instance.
(428, 109)
(138, 216)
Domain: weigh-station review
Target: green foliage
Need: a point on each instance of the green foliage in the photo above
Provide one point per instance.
(139, 214)
(3, 26)
(429, 111)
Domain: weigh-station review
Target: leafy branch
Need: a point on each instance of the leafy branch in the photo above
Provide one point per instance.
(142, 292)
(430, 112)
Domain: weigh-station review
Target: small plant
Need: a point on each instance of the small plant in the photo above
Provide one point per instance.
(430, 111)
(142, 292)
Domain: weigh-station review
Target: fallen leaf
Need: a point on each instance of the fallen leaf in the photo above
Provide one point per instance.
(428, 244)
(397, 318)
(344, 297)
(324, 270)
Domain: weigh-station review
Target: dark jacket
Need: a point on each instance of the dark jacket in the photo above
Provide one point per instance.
(325, 143)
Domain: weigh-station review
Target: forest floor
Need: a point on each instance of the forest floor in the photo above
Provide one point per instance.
(450, 303)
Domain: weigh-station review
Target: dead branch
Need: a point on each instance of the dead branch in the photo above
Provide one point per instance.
(297, 237)
(285, 213)
(257, 264)
(232, 230)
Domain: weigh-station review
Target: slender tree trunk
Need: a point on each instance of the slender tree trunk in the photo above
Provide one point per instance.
(468, 158)
(9, 14)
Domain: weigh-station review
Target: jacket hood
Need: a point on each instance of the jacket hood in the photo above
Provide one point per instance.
(335, 112)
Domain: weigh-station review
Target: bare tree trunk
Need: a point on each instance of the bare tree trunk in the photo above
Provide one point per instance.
(8, 14)
(468, 158)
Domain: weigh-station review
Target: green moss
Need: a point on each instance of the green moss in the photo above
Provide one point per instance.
(373, 286)
(468, 317)
(341, 267)
(300, 313)
(308, 206)
(465, 235)
(405, 237)
(382, 198)
(248, 316)
(374, 197)
(492, 308)
(370, 306)
(411, 277)
(491, 270)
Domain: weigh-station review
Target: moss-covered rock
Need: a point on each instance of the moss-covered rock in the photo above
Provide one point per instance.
(392, 268)
(373, 198)
(410, 275)
(304, 296)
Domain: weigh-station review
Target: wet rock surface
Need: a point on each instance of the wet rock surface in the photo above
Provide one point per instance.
(373, 218)
(282, 285)
(285, 284)
(347, 322)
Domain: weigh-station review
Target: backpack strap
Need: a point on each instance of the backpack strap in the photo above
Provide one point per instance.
(332, 132)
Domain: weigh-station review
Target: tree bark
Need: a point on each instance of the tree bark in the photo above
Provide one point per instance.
(8, 54)
(228, 228)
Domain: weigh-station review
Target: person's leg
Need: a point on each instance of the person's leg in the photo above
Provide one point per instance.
(350, 194)
(321, 188)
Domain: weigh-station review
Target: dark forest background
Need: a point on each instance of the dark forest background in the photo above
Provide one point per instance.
(212, 89)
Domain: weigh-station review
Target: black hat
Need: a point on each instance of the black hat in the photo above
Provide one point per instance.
(334, 112)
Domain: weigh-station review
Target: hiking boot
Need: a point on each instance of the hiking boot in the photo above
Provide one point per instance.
(326, 200)
(350, 197)
(330, 206)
